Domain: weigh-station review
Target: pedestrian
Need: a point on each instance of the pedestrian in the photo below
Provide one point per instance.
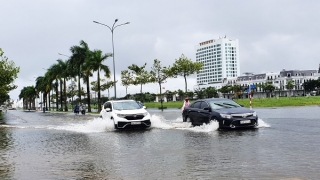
(186, 103)
(83, 109)
(76, 109)
(44, 109)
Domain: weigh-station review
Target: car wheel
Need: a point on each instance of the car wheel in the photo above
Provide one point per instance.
(115, 125)
(188, 119)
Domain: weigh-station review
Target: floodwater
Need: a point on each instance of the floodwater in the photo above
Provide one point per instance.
(36, 145)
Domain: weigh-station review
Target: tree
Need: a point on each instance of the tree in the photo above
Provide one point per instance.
(72, 90)
(200, 93)
(224, 90)
(180, 93)
(77, 59)
(28, 94)
(126, 79)
(185, 67)
(290, 85)
(8, 73)
(269, 87)
(54, 74)
(211, 92)
(237, 90)
(96, 62)
(159, 74)
(140, 75)
(64, 75)
(87, 68)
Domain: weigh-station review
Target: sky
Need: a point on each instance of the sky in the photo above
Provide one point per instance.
(273, 34)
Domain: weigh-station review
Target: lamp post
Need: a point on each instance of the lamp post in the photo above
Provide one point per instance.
(114, 68)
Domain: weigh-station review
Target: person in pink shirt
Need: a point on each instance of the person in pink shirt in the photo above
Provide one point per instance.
(185, 104)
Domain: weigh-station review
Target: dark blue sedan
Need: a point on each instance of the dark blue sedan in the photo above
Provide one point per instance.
(228, 113)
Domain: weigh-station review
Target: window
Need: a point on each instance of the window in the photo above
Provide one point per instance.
(196, 105)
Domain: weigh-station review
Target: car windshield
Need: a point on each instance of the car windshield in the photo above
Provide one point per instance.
(221, 104)
(126, 105)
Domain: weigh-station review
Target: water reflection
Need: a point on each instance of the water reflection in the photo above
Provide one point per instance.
(6, 144)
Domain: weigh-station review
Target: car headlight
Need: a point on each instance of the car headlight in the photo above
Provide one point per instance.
(254, 114)
(121, 115)
(227, 116)
(145, 114)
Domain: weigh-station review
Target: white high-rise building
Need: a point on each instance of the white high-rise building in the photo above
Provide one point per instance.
(220, 58)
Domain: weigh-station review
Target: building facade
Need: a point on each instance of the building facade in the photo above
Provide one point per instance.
(220, 58)
(221, 67)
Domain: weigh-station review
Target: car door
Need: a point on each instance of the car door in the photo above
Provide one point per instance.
(193, 111)
(204, 113)
(196, 117)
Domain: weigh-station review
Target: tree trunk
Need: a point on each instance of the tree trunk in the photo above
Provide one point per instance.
(65, 95)
(61, 104)
(57, 97)
(99, 95)
(161, 100)
(185, 81)
(88, 94)
(79, 89)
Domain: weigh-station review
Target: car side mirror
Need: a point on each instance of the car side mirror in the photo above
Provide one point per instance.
(108, 109)
(144, 107)
(241, 105)
(206, 109)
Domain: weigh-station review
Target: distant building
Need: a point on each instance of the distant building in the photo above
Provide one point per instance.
(221, 66)
(220, 58)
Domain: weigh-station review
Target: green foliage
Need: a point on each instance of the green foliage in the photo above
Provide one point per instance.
(185, 67)
(256, 102)
(126, 79)
(159, 74)
(311, 84)
(139, 75)
(8, 73)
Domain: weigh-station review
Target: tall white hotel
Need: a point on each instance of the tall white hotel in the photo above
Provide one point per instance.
(220, 58)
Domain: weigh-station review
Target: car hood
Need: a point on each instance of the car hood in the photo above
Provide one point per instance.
(238, 110)
(133, 111)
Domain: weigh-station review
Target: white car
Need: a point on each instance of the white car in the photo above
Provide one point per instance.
(126, 114)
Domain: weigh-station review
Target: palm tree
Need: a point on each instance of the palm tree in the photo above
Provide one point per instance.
(96, 62)
(64, 75)
(87, 68)
(40, 86)
(28, 94)
(54, 74)
(77, 59)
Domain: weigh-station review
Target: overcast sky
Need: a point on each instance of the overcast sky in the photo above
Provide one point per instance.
(272, 34)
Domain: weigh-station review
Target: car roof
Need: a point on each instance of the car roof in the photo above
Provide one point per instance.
(124, 100)
(213, 99)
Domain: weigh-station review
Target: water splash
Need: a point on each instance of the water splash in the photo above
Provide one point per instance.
(98, 125)
(92, 126)
(161, 123)
(262, 123)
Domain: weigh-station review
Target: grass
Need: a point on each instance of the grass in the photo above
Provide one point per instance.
(256, 102)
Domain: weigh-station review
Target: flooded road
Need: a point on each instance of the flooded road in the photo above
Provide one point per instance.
(36, 145)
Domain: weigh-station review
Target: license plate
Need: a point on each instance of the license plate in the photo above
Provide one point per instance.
(245, 122)
(135, 123)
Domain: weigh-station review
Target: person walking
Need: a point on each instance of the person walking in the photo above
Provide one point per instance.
(186, 103)
(76, 109)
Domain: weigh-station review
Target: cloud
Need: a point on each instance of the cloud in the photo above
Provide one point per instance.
(272, 34)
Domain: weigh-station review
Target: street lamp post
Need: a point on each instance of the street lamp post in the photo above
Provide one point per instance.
(114, 68)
